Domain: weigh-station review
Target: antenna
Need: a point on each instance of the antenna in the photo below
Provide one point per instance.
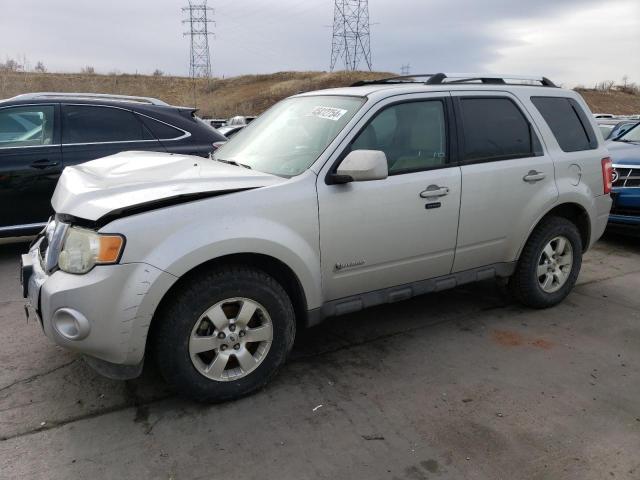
(351, 34)
(198, 18)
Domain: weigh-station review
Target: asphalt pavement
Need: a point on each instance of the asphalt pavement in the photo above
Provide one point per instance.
(458, 384)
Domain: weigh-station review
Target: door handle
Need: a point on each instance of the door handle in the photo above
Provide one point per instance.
(44, 163)
(434, 191)
(533, 176)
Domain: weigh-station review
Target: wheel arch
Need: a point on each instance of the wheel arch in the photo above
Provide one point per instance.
(272, 266)
(572, 211)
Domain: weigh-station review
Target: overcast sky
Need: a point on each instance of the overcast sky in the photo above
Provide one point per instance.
(570, 41)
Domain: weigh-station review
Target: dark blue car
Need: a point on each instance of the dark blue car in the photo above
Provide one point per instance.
(625, 153)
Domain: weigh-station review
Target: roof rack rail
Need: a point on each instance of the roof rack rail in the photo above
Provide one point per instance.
(441, 78)
(392, 80)
(97, 96)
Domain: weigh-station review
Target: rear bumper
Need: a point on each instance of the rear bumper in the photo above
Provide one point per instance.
(626, 220)
(599, 224)
(626, 207)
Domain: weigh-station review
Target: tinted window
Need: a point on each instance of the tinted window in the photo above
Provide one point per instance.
(412, 135)
(88, 124)
(567, 121)
(496, 129)
(26, 126)
(160, 130)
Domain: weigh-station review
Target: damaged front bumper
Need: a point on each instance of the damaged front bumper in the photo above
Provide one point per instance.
(104, 314)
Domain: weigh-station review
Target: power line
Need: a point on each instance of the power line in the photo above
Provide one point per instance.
(351, 34)
(405, 69)
(198, 20)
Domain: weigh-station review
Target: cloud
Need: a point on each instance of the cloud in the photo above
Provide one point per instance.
(572, 40)
(579, 47)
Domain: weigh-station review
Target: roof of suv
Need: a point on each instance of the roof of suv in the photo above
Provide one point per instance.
(46, 96)
(135, 102)
(440, 82)
(182, 118)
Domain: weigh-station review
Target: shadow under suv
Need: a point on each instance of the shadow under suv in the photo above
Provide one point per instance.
(42, 133)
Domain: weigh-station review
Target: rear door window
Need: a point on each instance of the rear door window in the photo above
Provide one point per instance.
(495, 129)
(95, 124)
(568, 122)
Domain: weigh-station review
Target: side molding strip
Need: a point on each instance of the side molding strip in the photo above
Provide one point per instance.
(356, 303)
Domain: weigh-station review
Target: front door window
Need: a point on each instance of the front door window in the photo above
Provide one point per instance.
(26, 126)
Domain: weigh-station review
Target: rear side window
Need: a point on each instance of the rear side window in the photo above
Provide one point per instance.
(160, 130)
(568, 122)
(495, 129)
(91, 124)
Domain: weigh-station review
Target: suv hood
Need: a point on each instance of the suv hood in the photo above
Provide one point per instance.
(132, 182)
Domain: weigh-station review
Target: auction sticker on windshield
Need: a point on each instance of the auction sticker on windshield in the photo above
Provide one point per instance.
(328, 113)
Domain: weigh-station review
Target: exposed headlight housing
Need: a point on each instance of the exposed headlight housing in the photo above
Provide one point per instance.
(83, 249)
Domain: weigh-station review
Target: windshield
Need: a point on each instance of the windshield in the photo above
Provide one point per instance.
(632, 135)
(291, 135)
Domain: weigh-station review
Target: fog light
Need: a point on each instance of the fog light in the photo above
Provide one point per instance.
(71, 324)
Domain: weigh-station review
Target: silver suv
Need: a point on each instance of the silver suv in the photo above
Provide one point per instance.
(328, 203)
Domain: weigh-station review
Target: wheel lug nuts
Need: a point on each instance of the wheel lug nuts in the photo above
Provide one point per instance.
(236, 346)
(242, 333)
(221, 335)
(223, 347)
(232, 327)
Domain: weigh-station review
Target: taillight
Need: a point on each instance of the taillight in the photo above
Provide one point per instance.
(607, 174)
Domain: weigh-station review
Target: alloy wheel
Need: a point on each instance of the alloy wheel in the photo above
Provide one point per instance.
(231, 339)
(555, 264)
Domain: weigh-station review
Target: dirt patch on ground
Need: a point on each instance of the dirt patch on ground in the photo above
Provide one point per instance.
(508, 338)
(541, 343)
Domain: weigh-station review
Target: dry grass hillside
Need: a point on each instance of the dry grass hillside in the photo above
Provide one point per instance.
(248, 94)
(612, 101)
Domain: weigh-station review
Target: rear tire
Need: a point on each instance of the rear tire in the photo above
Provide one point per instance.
(207, 349)
(549, 264)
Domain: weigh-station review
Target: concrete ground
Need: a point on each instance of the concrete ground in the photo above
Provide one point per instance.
(459, 384)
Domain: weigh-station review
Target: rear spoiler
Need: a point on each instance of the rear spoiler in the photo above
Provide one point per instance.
(188, 112)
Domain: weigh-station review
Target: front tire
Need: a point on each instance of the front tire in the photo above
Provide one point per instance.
(549, 265)
(225, 334)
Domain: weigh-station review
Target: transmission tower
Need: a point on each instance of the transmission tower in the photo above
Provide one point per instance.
(351, 34)
(405, 69)
(198, 18)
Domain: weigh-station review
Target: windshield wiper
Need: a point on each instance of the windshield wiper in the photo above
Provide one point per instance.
(233, 162)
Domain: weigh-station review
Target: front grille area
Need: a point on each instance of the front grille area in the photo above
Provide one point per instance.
(627, 176)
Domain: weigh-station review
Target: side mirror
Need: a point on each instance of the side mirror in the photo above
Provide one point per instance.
(362, 166)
